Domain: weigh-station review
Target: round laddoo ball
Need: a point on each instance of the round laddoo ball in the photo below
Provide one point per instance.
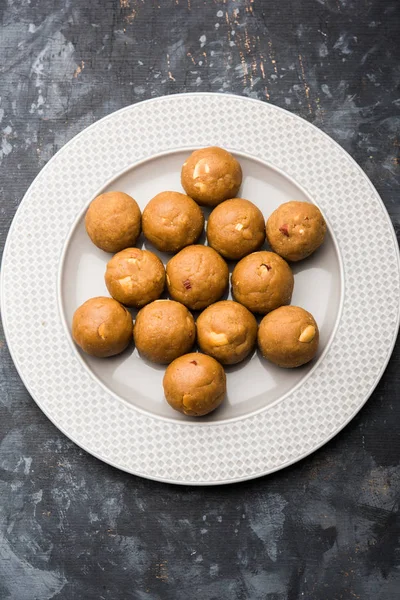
(227, 331)
(288, 336)
(102, 327)
(236, 228)
(262, 281)
(194, 384)
(295, 230)
(197, 276)
(211, 175)
(164, 330)
(135, 277)
(113, 221)
(172, 221)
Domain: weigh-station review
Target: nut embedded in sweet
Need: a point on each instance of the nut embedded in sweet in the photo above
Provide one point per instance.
(125, 282)
(102, 331)
(200, 186)
(201, 168)
(218, 339)
(239, 227)
(265, 268)
(307, 335)
(284, 229)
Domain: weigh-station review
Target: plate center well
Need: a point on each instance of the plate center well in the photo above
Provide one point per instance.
(253, 384)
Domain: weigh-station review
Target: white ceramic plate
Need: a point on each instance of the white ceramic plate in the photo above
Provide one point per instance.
(114, 408)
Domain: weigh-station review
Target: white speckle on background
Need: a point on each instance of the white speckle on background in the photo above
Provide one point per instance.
(36, 498)
(343, 42)
(6, 147)
(216, 25)
(326, 90)
(31, 28)
(202, 40)
(214, 570)
(220, 13)
(323, 50)
(93, 517)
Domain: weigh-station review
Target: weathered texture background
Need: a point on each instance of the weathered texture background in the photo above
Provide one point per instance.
(72, 527)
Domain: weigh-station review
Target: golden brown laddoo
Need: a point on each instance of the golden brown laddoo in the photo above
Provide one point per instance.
(295, 230)
(197, 276)
(262, 281)
(135, 277)
(164, 330)
(172, 221)
(211, 175)
(113, 221)
(102, 327)
(194, 384)
(288, 336)
(227, 331)
(236, 228)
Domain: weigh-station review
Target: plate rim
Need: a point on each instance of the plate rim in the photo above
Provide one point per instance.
(265, 471)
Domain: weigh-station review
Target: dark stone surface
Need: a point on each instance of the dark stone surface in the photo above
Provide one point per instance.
(72, 527)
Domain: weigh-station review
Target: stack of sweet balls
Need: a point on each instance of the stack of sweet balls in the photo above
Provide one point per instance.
(197, 277)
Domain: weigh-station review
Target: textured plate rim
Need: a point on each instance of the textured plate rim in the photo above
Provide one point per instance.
(264, 471)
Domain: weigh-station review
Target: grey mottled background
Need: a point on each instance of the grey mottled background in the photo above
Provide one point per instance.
(71, 527)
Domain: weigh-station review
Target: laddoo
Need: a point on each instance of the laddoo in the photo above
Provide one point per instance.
(164, 330)
(135, 277)
(211, 175)
(197, 276)
(262, 281)
(295, 230)
(113, 221)
(194, 384)
(102, 327)
(288, 336)
(236, 228)
(172, 221)
(227, 331)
